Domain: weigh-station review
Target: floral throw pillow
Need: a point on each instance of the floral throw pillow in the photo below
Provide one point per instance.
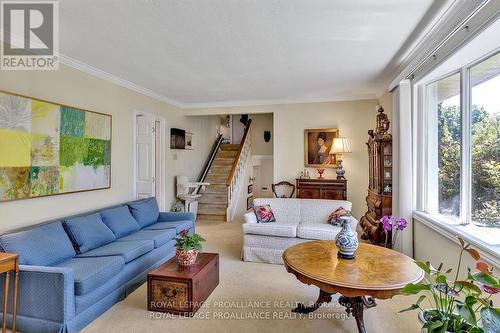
(335, 216)
(264, 214)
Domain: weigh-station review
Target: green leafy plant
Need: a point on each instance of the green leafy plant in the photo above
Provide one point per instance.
(457, 305)
(188, 242)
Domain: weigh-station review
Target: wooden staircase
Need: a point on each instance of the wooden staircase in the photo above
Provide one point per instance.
(213, 203)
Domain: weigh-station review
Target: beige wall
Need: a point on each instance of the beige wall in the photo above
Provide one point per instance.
(75, 88)
(261, 123)
(352, 118)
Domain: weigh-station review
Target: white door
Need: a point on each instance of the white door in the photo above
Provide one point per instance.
(256, 182)
(144, 156)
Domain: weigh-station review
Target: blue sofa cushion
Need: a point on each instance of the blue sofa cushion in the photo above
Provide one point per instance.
(88, 232)
(145, 212)
(177, 225)
(120, 221)
(129, 250)
(91, 273)
(42, 245)
(159, 237)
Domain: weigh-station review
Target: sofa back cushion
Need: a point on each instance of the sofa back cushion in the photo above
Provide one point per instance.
(145, 212)
(284, 210)
(88, 232)
(120, 221)
(318, 210)
(43, 245)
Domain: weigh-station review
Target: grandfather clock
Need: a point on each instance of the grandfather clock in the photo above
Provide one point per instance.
(379, 198)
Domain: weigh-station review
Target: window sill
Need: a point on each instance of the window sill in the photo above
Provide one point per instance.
(490, 249)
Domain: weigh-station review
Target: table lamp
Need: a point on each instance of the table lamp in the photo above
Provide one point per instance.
(340, 146)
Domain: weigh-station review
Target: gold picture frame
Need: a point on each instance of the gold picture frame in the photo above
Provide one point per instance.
(316, 152)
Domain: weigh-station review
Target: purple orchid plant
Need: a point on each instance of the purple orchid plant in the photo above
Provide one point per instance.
(390, 223)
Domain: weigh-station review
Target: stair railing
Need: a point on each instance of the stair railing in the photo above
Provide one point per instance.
(234, 180)
(209, 161)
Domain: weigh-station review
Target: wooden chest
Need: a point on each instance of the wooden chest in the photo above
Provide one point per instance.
(182, 290)
(333, 189)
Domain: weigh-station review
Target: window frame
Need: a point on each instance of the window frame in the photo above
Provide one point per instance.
(448, 226)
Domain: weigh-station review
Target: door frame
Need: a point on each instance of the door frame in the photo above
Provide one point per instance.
(159, 175)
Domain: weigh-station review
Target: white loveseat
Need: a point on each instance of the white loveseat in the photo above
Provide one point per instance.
(297, 221)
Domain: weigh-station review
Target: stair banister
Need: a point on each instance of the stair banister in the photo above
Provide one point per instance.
(237, 158)
(233, 182)
(210, 160)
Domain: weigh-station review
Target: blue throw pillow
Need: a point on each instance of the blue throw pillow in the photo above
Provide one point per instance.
(120, 221)
(88, 232)
(145, 212)
(42, 245)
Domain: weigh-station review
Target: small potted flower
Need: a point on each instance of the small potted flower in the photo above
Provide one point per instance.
(392, 226)
(187, 248)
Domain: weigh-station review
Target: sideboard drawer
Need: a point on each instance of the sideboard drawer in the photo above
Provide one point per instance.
(332, 189)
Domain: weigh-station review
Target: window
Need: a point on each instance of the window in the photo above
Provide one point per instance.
(485, 142)
(445, 124)
(463, 145)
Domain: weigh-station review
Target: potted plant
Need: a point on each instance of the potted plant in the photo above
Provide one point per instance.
(392, 226)
(457, 305)
(187, 248)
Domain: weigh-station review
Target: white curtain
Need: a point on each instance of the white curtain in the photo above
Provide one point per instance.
(402, 196)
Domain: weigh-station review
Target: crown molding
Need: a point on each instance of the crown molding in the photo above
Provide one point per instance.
(461, 22)
(194, 108)
(88, 69)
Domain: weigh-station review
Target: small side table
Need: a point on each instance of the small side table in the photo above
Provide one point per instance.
(9, 262)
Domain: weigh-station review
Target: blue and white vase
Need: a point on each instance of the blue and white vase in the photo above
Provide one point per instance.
(346, 240)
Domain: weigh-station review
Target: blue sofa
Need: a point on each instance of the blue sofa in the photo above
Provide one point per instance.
(74, 269)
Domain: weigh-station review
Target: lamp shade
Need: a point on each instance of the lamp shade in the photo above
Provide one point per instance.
(340, 146)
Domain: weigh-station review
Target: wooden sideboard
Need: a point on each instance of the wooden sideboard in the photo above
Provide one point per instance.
(333, 189)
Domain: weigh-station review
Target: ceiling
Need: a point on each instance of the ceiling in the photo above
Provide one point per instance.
(240, 52)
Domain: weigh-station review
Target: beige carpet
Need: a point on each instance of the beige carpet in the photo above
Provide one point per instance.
(251, 297)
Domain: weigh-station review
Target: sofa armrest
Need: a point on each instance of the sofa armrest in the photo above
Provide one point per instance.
(45, 292)
(250, 217)
(175, 216)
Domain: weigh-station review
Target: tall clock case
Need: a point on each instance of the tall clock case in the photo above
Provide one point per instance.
(379, 198)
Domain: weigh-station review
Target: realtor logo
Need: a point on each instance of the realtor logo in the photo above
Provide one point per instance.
(30, 35)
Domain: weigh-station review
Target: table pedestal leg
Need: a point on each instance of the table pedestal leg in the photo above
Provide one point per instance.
(355, 306)
(322, 298)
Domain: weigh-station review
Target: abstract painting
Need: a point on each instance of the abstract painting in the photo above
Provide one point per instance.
(48, 149)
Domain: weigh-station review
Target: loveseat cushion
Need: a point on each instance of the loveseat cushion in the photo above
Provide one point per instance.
(284, 210)
(159, 237)
(318, 210)
(42, 245)
(129, 250)
(120, 221)
(145, 212)
(264, 214)
(90, 273)
(177, 225)
(320, 231)
(271, 229)
(88, 232)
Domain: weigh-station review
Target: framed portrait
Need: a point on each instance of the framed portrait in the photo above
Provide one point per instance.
(188, 141)
(317, 145)
(250, 202)
(250, 189)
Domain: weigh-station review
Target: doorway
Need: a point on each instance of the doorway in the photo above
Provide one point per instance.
(149, 157)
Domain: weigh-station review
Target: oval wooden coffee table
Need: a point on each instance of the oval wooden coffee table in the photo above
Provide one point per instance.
(377, 272)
